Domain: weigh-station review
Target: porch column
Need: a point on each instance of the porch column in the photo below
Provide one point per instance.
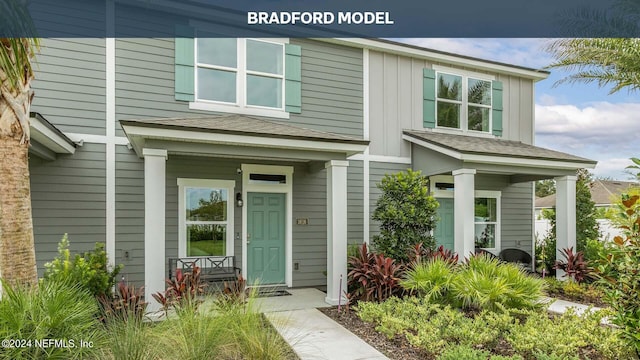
(154, 224)
(565, 216)
(463, 212)
(336, 229)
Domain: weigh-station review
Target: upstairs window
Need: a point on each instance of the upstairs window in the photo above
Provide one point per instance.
(240, 72)
(463, 102)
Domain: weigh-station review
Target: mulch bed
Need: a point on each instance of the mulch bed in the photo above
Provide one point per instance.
(397, 348)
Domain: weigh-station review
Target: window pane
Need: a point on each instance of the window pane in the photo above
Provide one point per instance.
(479, 92)
(206, 204)
(485, 235)
(449, 87)
(264, 57)
(264, 91)
(217, 85)
(486, 210)
(448, 115)
(203, 240)
(478, 118)
(216, 51)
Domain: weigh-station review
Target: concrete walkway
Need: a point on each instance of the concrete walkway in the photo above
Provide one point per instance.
(561, 306)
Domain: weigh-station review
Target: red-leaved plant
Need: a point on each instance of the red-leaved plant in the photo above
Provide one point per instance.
(573, 265)
(373, 277)
(420, 253)
(127, 304)
(182, 292)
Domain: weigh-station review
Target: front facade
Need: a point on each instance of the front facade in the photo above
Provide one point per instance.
(270, 149)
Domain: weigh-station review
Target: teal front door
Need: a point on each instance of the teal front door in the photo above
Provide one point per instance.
(266, 238)
(445, 226)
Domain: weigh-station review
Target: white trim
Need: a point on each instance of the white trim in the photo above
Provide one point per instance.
(463, 73)
(381, 158)
(452, 131)
(337, 214)
(154, 152)
(493, 194)
(95, 139)
(110, 125)
(236, 109)
(286, 188)
(440, 193)
(246, 140)
(365, 94)
(366, 198)
(433, 56)
(50, 139)
(500, 160)
(183, 185)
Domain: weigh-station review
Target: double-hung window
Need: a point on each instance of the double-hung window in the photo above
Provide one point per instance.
(245, 73)
(205, 217)
(463, 102)
(487, 220)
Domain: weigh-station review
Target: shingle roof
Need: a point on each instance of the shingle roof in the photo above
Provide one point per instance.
(494, 147)
(601, 192)
(243, 125)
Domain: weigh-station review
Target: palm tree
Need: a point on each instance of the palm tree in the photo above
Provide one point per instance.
(17, 251)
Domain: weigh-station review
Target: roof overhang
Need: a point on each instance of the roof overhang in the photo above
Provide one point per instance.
(440, 56)
(46, 140)
(139, 135)
(503, 160)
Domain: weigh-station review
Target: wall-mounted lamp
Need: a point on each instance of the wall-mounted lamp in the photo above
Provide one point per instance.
(239, 199)
(239, 171)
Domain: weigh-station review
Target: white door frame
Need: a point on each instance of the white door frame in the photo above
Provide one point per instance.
(286, 188)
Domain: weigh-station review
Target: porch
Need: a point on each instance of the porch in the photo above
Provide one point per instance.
(240, 180)
(485, 186)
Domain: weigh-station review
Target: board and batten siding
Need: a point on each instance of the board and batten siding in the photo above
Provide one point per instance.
(68, 196)
(396, 102)
(69, 84)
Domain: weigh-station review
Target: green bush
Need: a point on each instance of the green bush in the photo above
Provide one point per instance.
(55, 310)
(464, 352)
(89, 269)
(623, 294)
(407, 214)
(430, 279)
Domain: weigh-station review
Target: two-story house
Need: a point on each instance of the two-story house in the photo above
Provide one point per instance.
(270, 150)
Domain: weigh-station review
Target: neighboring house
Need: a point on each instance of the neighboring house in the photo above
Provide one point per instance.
(270, 150)
(603, 194)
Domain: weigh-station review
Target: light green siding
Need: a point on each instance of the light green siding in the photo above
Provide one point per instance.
(355, 209)
(68, 196)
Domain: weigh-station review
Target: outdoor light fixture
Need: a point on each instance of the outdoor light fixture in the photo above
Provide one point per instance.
(239, 199)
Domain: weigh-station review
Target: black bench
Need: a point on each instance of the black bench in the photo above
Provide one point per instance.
(212, 268)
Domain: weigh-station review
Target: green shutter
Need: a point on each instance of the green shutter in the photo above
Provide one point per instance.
(293, 78)
(497, 107)
(184, 63)
(429, 98)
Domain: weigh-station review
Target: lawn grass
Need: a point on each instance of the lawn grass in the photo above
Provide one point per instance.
(206, 247)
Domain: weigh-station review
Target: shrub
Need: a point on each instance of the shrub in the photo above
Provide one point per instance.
(623, 292)
(574, 265)
(486, 283)
(406, 212)
(89, 269)
(590, 293)
(546, 253)
(182, 292)
(420, 253)
(373, 277)
(127, 304)
(54, 310)
(130, 339)
(431, 279)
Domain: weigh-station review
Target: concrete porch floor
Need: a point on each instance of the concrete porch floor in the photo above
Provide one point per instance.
(305, 298)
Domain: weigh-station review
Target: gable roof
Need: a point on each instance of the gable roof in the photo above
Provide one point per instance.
(473, 145)
(601, 193)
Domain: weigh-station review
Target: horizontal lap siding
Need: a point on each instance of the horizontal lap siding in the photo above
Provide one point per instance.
(517, 217)
(377, 170)
(68, 196)
(331, 88)
(130, 214)
(310, 241)
(70, 84)
(355, 208)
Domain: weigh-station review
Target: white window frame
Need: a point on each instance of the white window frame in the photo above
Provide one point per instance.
(498, 223)
(183, 185)
(241, 106)
(464, 103)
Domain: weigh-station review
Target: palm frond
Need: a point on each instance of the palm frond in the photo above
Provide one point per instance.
(18, 48)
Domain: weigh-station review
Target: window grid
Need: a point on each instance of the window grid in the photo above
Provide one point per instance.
(464, 103)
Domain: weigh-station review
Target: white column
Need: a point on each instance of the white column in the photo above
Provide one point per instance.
(154, 224)
(565, 216)
(336, 230)
(463, 212)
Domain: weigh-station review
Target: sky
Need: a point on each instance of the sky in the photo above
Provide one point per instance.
(581, 119)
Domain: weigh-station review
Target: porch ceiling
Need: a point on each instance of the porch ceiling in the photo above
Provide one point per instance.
(239, 136)
(437, 153)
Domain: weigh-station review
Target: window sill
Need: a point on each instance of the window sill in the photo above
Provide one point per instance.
(463, 132)
(273, 113)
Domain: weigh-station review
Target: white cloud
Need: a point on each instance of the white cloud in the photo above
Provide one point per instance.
(601, 131)
(523, 52)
